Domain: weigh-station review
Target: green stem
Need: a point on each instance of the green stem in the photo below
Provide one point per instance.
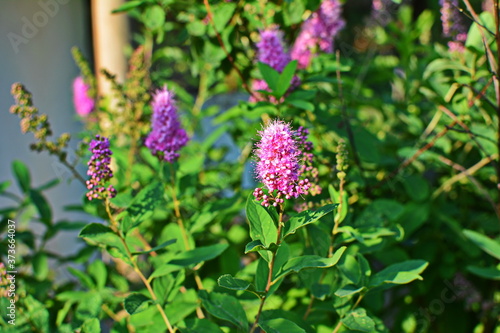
(271, 267)
(177, 211)
(114, 226)
(185, 238)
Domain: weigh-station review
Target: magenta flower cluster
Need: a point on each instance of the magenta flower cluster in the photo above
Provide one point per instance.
(318, 31)
(271, 51)
(99, 170)
(453, 25)
(167, 136)
(83, 103)
(278, 164)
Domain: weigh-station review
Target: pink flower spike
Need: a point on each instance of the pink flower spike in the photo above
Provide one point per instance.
(279, 164)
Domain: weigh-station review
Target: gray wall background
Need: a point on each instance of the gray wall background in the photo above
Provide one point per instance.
(35, 41)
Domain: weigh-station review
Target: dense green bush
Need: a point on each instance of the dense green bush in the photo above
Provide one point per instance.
(405, 138)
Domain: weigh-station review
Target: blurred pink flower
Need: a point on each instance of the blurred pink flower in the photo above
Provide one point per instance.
(84, 104)
(318, 31)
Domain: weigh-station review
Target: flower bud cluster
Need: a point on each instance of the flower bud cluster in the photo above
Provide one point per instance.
(341, 158)
(36, 123)
(307, 169)
(99, 170)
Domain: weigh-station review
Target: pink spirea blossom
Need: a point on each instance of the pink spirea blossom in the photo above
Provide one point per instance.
(453, 25)
(167, 136)
(318, 32)
(84, 104)
(99, 170)
(279, 164)
(271, 51)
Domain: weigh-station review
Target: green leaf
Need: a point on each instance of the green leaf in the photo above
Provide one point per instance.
(101, 234)
(40, 266)
(82, 277)
(348, 290)
(71, 296)
(136, 303)
(232, 283)
(487, 273)
(364, 266)
(37, 313)
(198, 255)
(270, 75)
(441, 64)
(42, 206)
(304, 105)
(144, 204)
(488, 245)
(22, 174)
(46, 186)
(128, 6)
(417, 187)
(335, 196)
(98, 271)
(197, 325)
(280, 325)
(254, 246)
(262, 226)
(400, 273)
(229, 282)
(309, 261)
(167, 286)
(285, 78)
(4, 185)
(474, 36)
(225, 307)
(305, 218)
(91, 325)
(349, 266)
(165, 269)
(359, 321)
(222, 14)
(154, 17)
(156, 248)
(293, 11)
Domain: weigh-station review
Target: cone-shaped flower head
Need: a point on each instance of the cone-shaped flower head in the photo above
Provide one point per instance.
(271, 50)
(99, 170)
(453, 25)
(318, 31)
(84, 104)
(167, 136)
(279, 164)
